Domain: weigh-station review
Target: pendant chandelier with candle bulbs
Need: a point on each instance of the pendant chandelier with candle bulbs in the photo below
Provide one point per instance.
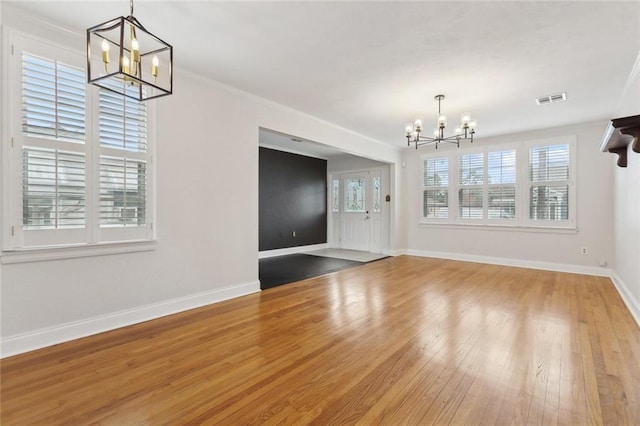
(466, 130)
(142, 66)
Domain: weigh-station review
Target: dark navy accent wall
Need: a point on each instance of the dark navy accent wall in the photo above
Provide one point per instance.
(293, 198)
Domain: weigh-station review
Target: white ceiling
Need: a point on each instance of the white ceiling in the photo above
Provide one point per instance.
(296, 145)
(373, 66)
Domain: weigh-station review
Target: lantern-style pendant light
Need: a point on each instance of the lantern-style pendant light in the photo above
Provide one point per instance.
(122, 56)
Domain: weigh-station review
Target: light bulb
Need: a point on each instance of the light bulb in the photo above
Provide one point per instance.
(436, 133)
(458, 131)
(418, 125)
(466, 118)
(135, 49)
(154, 66)
(408, 130)
(105, 51)
(125, 65)
(442, 119)
(473, 124)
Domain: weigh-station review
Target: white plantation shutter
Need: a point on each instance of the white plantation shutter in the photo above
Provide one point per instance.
(528, 184)
(123, 122)
(549, 182)
(53, 189)
(123, 161)
(53, 99)
(435, 188)
(501, 184)
(53, 184)
(471, 181)
(81, 170)
(123, 192)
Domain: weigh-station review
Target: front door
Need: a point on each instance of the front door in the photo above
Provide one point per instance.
(356, 211)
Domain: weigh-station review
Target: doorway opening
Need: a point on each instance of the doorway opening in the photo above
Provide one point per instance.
(357, 215)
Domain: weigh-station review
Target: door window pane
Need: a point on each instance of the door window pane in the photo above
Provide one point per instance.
(354, 195)
(376, 194)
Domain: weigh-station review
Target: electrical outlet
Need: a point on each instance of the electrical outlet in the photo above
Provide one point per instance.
(583, 250)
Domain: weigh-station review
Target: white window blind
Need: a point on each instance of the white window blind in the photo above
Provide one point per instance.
(53, 158)
(123, 161)
(54, 194)
(82, 168)
(53, 99)
(471, 180)
(501, 184)
(123, 192)
(123, 122)
(435, 188)
(528, 184)
(549, 182)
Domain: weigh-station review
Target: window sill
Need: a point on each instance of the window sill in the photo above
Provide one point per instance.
(502, 227)
(40, 254)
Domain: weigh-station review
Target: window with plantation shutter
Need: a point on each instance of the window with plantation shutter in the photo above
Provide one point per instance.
(123, 187)
(549, 182)
(528, 184)
(80, 158)
(123, 161)
(501, 184)
(470, 191)
(123, 122)
(53, 99)
(435, 188)
(54, 158)
(53, 189)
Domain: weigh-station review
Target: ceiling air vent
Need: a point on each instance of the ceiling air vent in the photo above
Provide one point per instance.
(549, 99)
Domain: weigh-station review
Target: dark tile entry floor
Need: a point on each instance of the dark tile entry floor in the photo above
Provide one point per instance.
(275, 271)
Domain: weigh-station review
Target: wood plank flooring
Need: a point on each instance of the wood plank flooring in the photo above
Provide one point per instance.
(403, 340)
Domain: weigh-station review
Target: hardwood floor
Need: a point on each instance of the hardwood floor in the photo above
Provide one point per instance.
(402, 340)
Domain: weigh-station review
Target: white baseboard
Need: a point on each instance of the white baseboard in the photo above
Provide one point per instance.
(17, 344)
(291, 250)
(632, 303)
(394, 253)
(546, 266)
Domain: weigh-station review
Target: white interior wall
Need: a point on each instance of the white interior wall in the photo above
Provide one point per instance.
(544, 249)
(207, 230)
(626, 267)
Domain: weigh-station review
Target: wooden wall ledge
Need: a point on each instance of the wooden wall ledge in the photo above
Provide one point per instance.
(620, 133)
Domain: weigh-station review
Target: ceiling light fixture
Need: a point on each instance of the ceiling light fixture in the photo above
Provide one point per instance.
(143, 63)
(413, 132)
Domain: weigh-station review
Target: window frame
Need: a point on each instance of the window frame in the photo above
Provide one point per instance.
(570, 222)
(521, 218)
(52, 241)
(423, 159)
